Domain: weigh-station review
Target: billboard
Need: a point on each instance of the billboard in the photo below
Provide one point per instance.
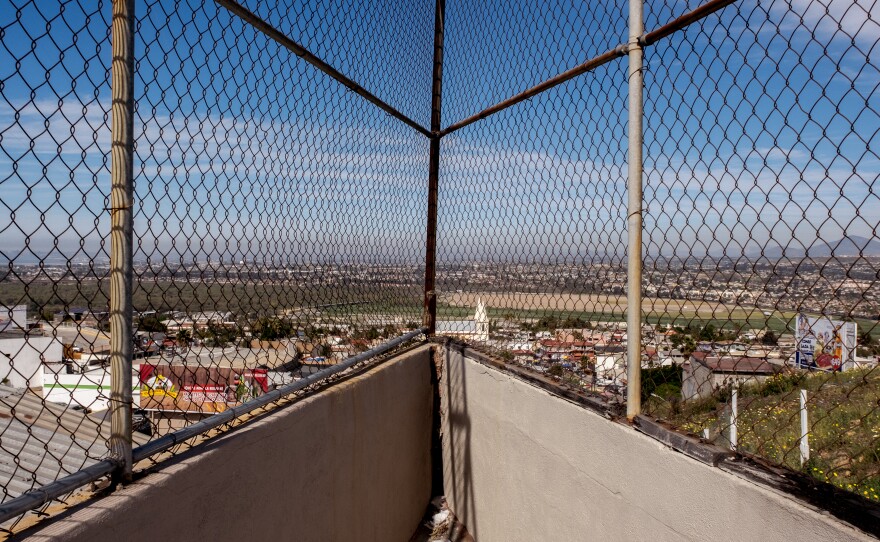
(824, 344)
(182, 388)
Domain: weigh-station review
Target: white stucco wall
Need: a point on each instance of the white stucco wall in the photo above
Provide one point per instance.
(21, 359)
(352, 462)
(522, 464)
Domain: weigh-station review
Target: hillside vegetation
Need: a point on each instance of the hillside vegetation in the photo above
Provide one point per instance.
(844, 418)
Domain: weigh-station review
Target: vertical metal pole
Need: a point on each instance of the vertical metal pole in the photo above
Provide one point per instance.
(805, 429)
(121, 197)
(634, 213)
(734, 409)
(429, 318)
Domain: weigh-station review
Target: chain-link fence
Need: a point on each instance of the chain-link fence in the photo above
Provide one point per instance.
(278, 217)
(760, 246)
(287, 157)
(761, 242)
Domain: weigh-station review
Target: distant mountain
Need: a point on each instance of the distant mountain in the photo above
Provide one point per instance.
(851, 245)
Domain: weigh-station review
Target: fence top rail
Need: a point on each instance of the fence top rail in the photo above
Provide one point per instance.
(647, 39)
(273, 33)
(40, 496)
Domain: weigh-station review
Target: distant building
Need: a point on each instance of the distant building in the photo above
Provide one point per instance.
(610, 366)
(670, 357)
(13, 318)
(23, 354)
(22, 359)
(476, 329)
(705, 373)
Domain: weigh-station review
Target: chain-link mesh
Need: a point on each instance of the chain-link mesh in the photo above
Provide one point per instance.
(493, 51)
(760, 167)
(54, 135)
(532, 228)
(279, 218)
(761, 242)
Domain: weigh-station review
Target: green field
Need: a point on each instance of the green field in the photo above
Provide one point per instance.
(179, 295)
(361, 301)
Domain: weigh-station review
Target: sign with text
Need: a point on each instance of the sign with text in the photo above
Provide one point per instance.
(198, 389)
(823, 343)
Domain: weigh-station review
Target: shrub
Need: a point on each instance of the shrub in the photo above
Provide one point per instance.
(656, 377)
(668, 391)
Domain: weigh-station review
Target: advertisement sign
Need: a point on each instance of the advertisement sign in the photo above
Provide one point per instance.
(182, 388)
(824, 344)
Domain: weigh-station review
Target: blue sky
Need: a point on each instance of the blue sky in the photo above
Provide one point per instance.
(754, 128)
(760, 131)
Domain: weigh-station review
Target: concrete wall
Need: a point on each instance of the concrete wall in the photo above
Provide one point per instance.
(522, 464)
(349, 463)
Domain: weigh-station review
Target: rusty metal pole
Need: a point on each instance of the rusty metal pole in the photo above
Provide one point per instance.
(429, 318)
(634, 214)
(121, 225)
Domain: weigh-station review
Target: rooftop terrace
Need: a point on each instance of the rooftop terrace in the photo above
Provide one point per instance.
(582, 269)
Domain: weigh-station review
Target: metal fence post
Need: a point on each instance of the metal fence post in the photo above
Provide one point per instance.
(734, 415)
(121, 221)
(805, 429)
(430, 311)
(634, 212)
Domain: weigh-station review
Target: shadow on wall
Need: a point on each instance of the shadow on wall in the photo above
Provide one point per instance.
(458, 476)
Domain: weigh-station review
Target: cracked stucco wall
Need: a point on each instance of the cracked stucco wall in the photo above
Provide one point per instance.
(522, 464)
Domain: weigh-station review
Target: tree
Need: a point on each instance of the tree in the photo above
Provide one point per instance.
(152, 324)
(322, 350)
(555, 370)
(183, 337)
(708, 333)
(271, 329)
(586, 366)
(685, 343)
(770, 338)
(668, 378)
(221, 335)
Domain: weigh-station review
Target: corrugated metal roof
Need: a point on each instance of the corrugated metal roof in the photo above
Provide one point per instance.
(41, 442)
(735, 364)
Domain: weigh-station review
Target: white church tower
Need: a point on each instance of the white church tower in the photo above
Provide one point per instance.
(481, 319)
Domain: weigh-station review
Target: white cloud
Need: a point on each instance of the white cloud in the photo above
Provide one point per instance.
(843, 19)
